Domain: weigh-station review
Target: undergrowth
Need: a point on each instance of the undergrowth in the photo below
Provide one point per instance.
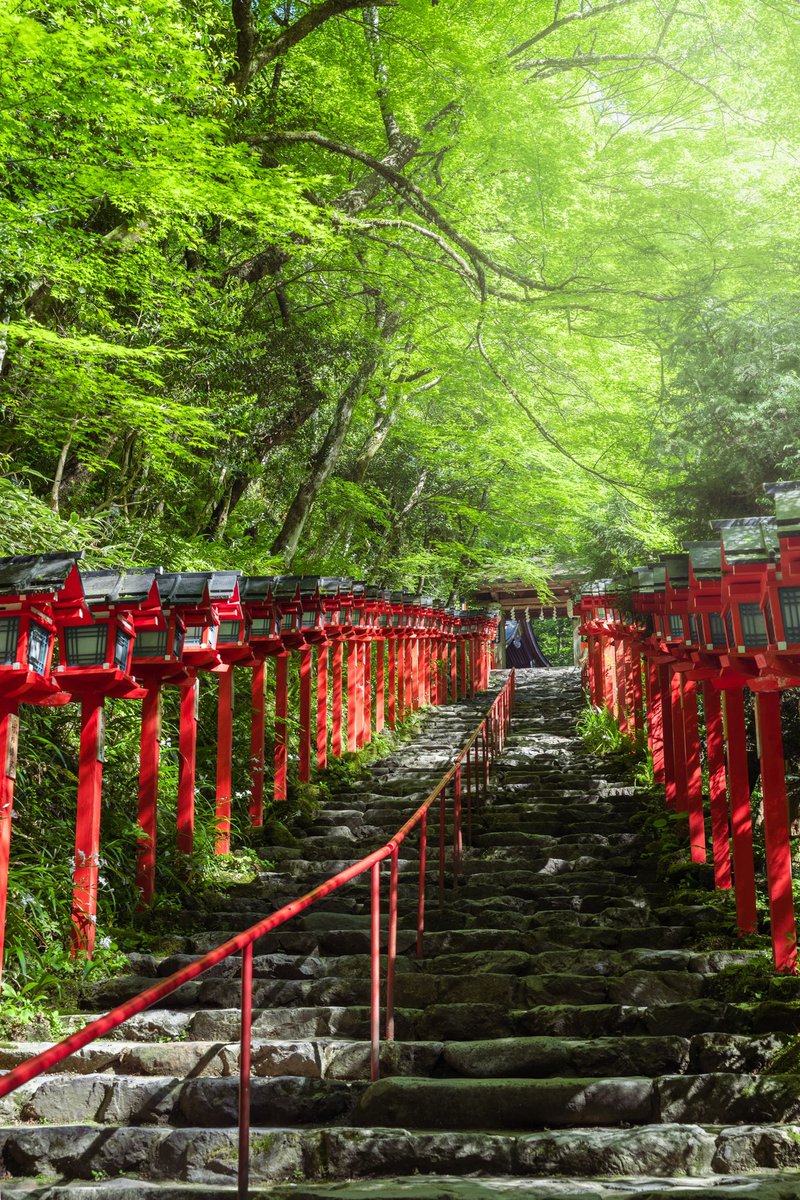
(40, 978)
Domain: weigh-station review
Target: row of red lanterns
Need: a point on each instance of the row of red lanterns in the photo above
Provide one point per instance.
(723, 616)
(69, 634)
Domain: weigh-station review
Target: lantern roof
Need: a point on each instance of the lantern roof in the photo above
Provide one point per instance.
(358, 588)
(659, 576)
(378, 593)
(677, 569)
(787, 506)
(184, 587)
(37, 574)
(748, 539)
(116, 588)
(253, 588)
(706, 559)
(646, 581)
(426, 601)
(224, 585)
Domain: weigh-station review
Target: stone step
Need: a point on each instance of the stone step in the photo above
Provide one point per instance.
(494, 1103)
(653, 1162)
(421, 989)
(207, 1102)
(464, 1021)
(510, 962)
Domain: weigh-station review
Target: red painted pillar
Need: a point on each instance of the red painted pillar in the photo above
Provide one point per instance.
(380, 685)
(322, 706)
(636, 689)
(257, 729)
(366, 677)
(462, 650)
(715, 744)
(9, 733)
(744, 880)
(408, 690)
(655, 725)
(392, 693)
(620, 690)
(598, 673)
(678, 743)
(336, 703)
(608, 674)
(149, 747)
(87, 825)
(415, 674)
(281, 712)
(352, 696)
(453, 652)
(776, 832)
(694, 773)
(222, 841)
(187, 758)
(304, 765)
(665, 674)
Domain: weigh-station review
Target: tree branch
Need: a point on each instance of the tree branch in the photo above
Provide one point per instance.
(413, 196)
(570, 19)
(294, 33)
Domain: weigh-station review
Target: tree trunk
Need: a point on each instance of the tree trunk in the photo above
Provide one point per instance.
(324, 461)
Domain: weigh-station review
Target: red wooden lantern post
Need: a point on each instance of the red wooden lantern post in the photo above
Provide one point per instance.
(211, 609)
(289, 609)
(412, 630)
(677, 636)
(400, 623)
(396, 693)
(188, 594)
(749, 550)
(263, 638)
(233, 650)
(318, 596)
(451, 628)
(157, 652)
(95, 651)
(331, 591)
(29, 586)
(381, 598)
(354, 633)
(706, 636)
(337, 624)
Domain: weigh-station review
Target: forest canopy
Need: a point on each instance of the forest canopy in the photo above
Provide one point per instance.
(419, 291)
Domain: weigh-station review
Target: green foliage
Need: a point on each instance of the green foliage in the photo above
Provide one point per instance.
(543, 319)
(603, 735)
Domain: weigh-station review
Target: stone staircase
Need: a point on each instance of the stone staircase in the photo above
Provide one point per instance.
(564, 1036)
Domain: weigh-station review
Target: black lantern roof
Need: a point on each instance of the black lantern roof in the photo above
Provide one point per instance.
(358, 588)
(787, 506)
(426, 601)
(397, 597)
(256, 588)
(677, 568)
(32, 574)
(659, 576)
(706, 560)
(223, 584)
(645, 578)
(184, 587)
(748, 539)
(117, 588)
(378, 593)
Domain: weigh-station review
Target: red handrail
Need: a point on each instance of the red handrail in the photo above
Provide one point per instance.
(491, 731)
